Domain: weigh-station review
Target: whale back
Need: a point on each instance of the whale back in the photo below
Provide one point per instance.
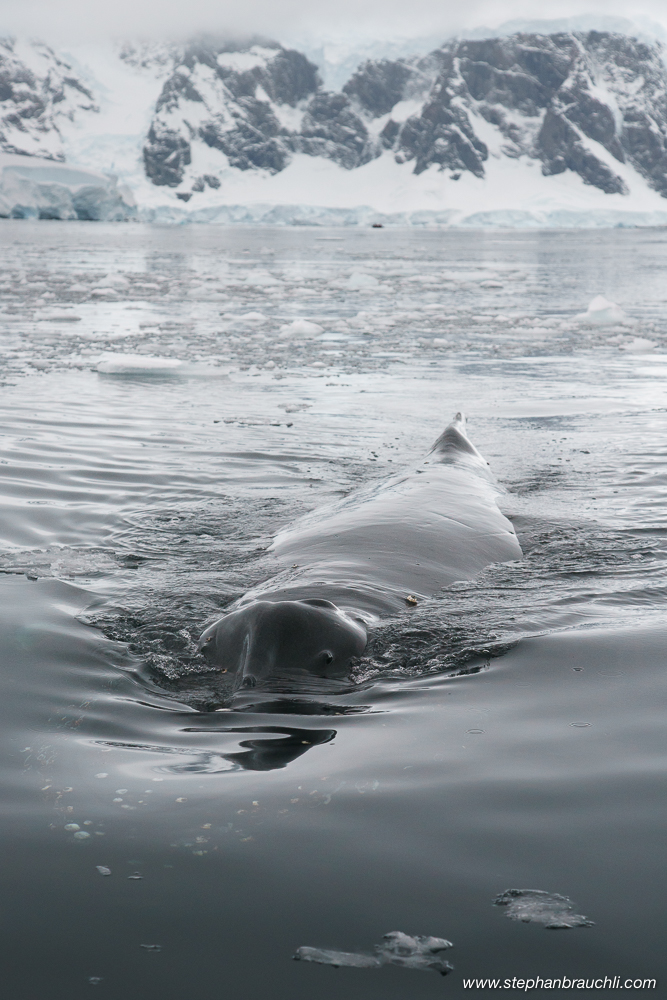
(342, 565)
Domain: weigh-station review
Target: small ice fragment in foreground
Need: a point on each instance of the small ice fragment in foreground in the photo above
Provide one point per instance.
(135, 877)
(70, 827)
(114, 363)
(81, 835)
(418, 952)
(102, 774)
(602, 312)
(94, 980)
(638, 345)
(103, 870)
(534, 906)
(151, 947)
(397, 948)
(349, 959)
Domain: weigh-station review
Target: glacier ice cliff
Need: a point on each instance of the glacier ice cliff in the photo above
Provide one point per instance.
(36, 188)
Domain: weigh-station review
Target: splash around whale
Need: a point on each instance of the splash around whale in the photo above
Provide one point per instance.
(344, 566)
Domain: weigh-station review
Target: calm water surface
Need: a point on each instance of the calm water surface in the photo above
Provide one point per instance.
(511, 734)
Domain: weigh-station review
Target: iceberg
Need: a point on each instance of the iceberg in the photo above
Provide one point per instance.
(602, 312)
(35, 188)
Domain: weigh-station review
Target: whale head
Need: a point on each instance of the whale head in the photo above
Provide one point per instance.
(275, 643)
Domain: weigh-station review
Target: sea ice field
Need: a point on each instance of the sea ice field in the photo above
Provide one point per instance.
(485, 799)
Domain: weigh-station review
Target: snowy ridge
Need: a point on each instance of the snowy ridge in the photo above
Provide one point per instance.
(565, 129)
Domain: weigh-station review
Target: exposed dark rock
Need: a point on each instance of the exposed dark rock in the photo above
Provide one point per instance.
(561, 150)
(178, 88)
(441, 135)
(245, 145)
(378, 86)
(166, 154)
(32, 106)
(331, 128)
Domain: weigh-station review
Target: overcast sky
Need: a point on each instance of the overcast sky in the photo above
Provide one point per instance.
(289, 20)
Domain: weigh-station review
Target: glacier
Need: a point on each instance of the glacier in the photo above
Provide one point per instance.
(32, 187)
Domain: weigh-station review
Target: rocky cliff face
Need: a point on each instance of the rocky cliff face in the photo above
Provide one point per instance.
(573, 101)
(580, 102)
(38, 90)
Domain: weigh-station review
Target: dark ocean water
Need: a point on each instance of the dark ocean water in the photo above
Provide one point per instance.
(508, 735)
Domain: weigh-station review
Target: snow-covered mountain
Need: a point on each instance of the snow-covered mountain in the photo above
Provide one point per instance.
(551, 129)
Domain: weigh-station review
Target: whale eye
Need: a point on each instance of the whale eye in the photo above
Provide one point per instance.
(327, 656)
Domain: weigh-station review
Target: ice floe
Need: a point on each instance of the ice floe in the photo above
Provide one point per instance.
(535, 906)
(396, 948)
(112, 363)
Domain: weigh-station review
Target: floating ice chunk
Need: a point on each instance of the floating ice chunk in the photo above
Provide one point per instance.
(112, 279)
(103, 870)
(638, 345)
(349, 959)
(300, 328)
(534, 906)
(112, 363)
(70, 827)
(418, 952)
(261, 278)
(359, 280)
(491, 283)
(396, 948)
(294, 407)
(81, 835)
(602, 312)
(253, 317)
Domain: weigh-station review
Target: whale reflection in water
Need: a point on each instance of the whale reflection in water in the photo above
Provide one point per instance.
(257, 754)
(342, 568)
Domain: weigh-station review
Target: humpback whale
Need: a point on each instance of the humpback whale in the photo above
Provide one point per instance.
(342, 567)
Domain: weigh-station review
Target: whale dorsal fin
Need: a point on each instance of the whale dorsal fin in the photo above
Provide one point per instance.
(454, 445)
